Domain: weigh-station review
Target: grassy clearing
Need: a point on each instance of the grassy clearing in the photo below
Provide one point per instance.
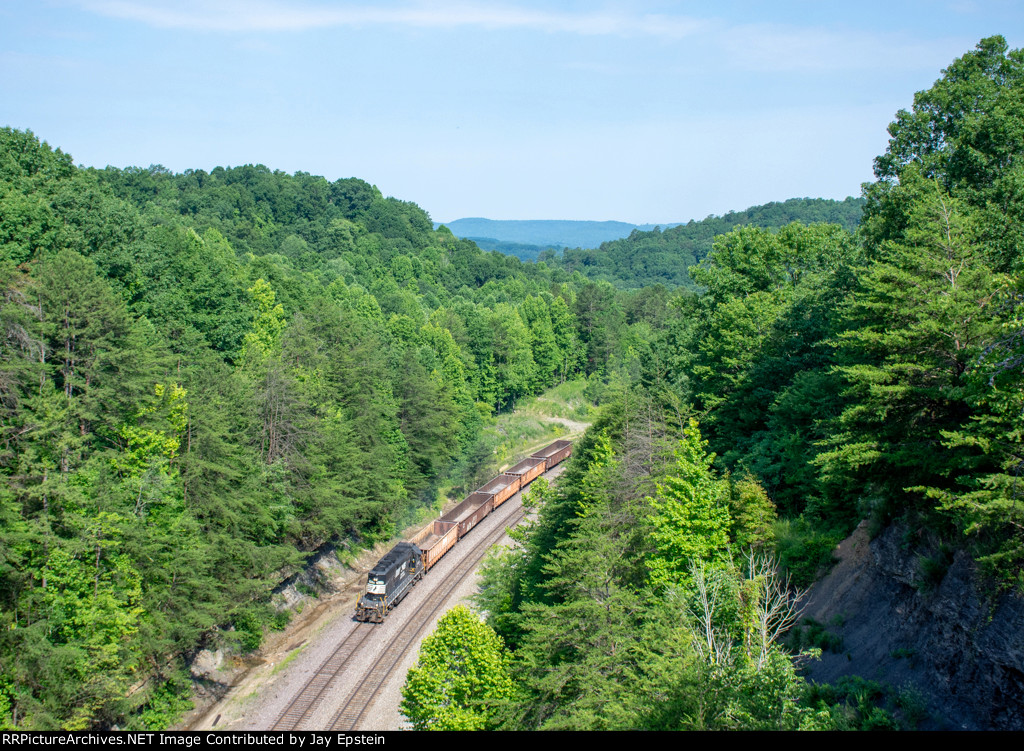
(560, 412)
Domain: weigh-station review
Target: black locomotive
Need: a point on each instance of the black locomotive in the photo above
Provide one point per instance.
(389, 581)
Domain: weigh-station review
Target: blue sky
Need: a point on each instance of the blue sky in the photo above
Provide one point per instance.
(638, 111)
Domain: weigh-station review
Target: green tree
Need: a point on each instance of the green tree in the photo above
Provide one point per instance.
(97, 614)
(599, 320)
(754, 342)
(921, 317)
(689, 514)
(987, 501)
(752, 513)
(570, 349)
(967, 132)
(535, 315)
(462, 672)
(513, 358)
(577, 632)
(268, 323)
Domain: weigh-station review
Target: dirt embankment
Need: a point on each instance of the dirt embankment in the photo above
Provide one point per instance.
(574, 427)
(944, 634)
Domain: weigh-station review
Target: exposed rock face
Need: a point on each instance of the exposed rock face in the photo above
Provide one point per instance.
(209, 666)
(323, 574)
(960, 648)
(217, 669)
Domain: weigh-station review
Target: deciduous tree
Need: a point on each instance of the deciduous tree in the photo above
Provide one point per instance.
(461, 674)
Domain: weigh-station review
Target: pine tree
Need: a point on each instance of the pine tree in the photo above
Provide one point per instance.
(920, 319)
(988, 501)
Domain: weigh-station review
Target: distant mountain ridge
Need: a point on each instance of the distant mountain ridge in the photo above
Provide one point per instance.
(526, 239)
(636, 255)
(664, 256)
(544, 233)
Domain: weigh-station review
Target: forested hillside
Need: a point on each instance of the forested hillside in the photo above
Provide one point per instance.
(206, 376)
(522, 251)
(821, 378)
(665, 256)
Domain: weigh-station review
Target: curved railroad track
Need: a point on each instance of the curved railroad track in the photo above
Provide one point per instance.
(330, 676)
(368, 688)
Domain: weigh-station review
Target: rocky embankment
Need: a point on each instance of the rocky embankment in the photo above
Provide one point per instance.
(907, 623)
(223, 679)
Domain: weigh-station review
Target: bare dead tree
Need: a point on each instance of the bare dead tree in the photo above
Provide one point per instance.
(711, 644)
(769, 604)
(646, 448)
(772, 604)
(281, 416)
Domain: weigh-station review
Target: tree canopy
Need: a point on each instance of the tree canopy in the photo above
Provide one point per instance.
(462, 672)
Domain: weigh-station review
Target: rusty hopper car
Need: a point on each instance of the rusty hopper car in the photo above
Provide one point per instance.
(469, 513)
(502, 488)
(527, 470)
(389, 581)
(396, 573)
(434, 540)
(554, 454)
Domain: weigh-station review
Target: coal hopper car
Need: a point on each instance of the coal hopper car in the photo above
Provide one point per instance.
(436, 539)
(554, 454)
(396, 573)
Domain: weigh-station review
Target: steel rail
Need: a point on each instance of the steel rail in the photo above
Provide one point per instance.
(308, 699)
(366, 691)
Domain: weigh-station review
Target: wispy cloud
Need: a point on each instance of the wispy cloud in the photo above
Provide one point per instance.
(771, 47)
(760, 47)
(272, 15)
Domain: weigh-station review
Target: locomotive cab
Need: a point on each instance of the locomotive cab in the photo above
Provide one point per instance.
(389, 582)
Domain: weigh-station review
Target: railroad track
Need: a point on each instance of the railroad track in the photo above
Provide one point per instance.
(308, 699)
(368, 688)
(327, 680)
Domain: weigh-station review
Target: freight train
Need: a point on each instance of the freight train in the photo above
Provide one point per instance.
(396, 573)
